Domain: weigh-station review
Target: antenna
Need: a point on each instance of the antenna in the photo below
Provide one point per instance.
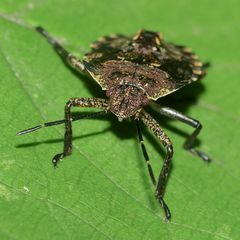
(57, 122)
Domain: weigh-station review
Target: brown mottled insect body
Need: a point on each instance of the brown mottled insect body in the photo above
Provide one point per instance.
(134, 71)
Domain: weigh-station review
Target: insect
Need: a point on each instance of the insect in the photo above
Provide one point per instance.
(134, 72)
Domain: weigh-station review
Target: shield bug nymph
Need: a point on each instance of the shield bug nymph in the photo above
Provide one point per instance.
(134, 72)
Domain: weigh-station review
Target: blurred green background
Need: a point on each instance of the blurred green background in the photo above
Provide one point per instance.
(103, 190)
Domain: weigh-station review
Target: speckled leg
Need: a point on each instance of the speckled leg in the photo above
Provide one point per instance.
(76, 102)
(164, 139)
(73, 61)
(188, 145)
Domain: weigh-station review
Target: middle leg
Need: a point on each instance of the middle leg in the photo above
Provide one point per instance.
(189, 143)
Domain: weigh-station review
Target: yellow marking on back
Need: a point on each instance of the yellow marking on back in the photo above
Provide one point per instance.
(137, 35)
(187, 50)
(198, 72)
(157, 40)
(194, 78)
(197, 64)
(195, 57)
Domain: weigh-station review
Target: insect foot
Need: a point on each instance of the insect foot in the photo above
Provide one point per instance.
(164, 206)
(57, 158)
(198, 153)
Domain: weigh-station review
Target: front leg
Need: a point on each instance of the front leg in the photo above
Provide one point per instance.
(166, 142)
(76, 102)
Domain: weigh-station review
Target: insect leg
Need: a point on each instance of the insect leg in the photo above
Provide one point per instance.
(144, 151)
(73, 61)
(76, 102)
(188, 145)
(163, 176)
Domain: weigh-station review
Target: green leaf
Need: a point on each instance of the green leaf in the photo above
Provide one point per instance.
(103, 191)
